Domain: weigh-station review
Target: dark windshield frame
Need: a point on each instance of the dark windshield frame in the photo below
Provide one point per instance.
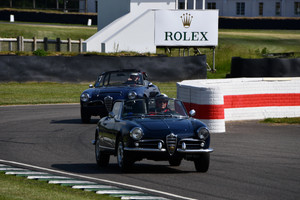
(145, 110)
(119, 78)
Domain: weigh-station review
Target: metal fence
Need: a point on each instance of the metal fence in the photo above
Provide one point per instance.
(57, 45)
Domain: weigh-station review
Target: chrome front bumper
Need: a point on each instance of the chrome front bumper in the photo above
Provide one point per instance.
(209, 150)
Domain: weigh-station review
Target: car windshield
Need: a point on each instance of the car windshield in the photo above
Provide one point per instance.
(123, 78)
(152, 107)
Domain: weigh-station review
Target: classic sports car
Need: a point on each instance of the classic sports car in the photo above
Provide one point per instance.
(119, 84)
(156, 129)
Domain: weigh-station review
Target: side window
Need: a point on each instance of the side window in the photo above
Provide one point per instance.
(106, 80)
(99, 82)
(117, 108)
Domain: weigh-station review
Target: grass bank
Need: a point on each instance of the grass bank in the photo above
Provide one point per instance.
(13, 187)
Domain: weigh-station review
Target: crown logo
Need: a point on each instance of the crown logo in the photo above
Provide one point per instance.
(186, 20)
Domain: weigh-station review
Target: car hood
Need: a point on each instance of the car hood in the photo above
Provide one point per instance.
(118, 88)
(115, 92)
(154, 128)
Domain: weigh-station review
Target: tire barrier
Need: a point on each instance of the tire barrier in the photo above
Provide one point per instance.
(87, 68)
(220, 100)
(266, 67)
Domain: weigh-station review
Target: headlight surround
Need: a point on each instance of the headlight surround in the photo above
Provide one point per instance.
(84, 97)
(132, 95)
(202, 133)
(136, 133)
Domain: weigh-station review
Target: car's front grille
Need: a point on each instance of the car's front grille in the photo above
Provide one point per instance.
(108, 102)
(171, 141)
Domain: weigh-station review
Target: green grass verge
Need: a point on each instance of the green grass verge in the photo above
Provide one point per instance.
(14, 93)
(20, 188)
(295, 120)
(40, 93)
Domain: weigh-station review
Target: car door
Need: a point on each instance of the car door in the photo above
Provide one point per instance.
(109, 124)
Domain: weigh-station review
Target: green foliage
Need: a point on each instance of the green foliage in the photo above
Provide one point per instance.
(40, 52)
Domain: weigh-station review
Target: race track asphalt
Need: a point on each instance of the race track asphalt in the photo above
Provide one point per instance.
(250, 161)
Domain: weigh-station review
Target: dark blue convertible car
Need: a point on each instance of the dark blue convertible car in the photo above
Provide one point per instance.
(157, 129)
(121, 84)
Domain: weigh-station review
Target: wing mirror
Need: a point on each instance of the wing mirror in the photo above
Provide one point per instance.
(150, 84)
(91, 86)
(192, 113)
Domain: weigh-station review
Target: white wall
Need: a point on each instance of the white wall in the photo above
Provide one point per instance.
(220, 100)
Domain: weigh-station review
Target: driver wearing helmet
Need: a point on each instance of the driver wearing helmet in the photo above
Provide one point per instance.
(161, 103)
(134, 77)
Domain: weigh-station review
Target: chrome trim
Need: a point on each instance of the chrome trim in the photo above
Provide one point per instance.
(195, 150)
(144, 149)
(190, 140)
(164, 150)
(151, 140)
(95, 101)
(103, 147)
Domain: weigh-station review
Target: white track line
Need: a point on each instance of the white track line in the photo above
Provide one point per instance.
(97, 179)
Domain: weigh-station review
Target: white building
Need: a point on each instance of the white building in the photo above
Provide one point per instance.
(239, 8)
(130, 26)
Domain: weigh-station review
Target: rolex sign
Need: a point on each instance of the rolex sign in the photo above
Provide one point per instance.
(186, 27)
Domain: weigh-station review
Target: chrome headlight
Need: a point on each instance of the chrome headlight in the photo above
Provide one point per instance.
(84, 97)
(136, 133)
(132, 95)
(202, 133)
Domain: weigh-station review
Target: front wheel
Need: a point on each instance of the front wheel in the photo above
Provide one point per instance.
(124, 160)
(101, 158)
(202, 163)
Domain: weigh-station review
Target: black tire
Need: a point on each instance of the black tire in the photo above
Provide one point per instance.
(102, 159)
(124, 160)
(202, 163)
(175, 161)
(85, 116)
